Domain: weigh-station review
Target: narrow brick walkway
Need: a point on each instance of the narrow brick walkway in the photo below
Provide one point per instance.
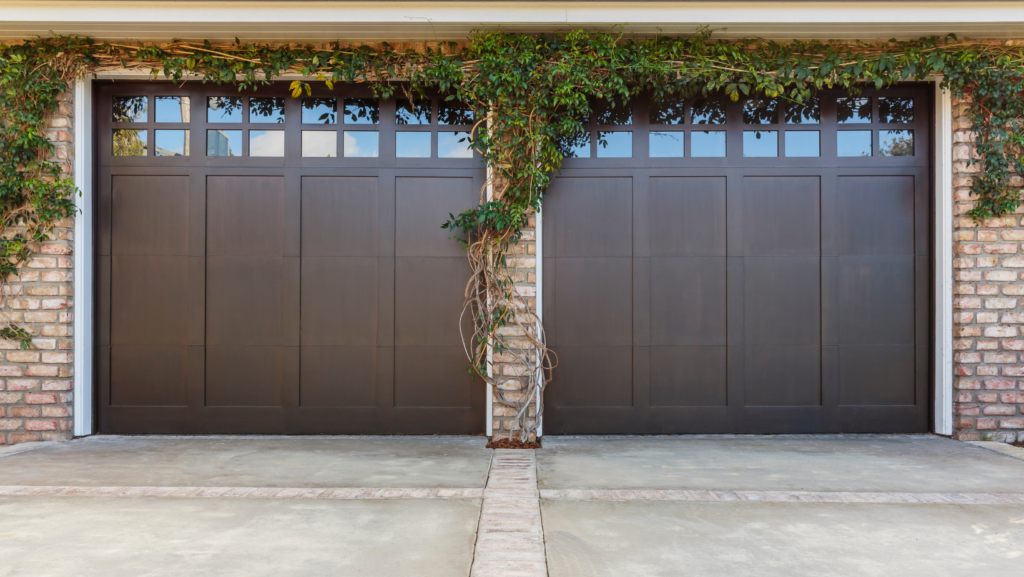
(510, 537)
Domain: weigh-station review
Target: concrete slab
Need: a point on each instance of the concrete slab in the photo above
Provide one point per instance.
(407, 462)
(110, 537)
(654, 539)
(905, 463)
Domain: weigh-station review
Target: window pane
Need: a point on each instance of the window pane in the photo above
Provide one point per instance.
(614, 144)
(761, 111)
(853, 110)
(454, 145)
(319, 111)
(612, 113)
(223, 143)
(362, 111)
(577, 146)
(223, 109)
(173, 109)
(895, 110)
(412, 145)
(805, 143)
(453, 112)
(853, 143)
(130, 142)
(667, 112)
(666, 144)
(707, 144)
(760, 143)
(266, 110)
(809, 113)
(708, 111)
(171, 142)
(412, 111)
(361, 144)
(896, 143)
(130, 109)
(266, 143)
(320, 143)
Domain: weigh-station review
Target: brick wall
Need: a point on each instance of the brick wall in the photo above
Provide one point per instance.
(988, 308)
(36, 384)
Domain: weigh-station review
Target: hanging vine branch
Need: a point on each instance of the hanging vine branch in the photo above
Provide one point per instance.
(536, 91)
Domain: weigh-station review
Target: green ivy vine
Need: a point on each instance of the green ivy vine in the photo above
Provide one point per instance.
(536, 89)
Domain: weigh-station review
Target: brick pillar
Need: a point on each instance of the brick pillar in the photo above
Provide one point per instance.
(988, 312)
(35, 384)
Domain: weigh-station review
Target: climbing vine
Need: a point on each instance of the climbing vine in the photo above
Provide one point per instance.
(536, 91)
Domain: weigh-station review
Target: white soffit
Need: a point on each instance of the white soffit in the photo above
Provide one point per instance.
(160, 20)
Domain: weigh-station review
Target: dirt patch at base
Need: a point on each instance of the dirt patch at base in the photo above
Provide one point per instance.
(1017, 444)
(512, 444)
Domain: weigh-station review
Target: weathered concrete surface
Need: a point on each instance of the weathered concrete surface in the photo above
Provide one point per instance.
(253, 462)
(905, 463)
(655, 539)
(110, 537)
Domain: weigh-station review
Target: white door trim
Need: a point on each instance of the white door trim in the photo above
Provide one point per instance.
(943, 258)
(84, 265)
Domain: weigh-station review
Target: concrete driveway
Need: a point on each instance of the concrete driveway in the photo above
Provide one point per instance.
(623, 506)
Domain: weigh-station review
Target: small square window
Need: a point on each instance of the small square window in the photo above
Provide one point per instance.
(454, 145)
(412, 144)
(895, 111)
(666, 144)
(610, 113)
(319, 111)
(707, 111)
(577, 146)
(808, 113)
(803, 143)
(853, 111)
(412, 111)
(454, 113)
(669, 111)
(130, 142)
(266, 111)
(319, 144)
(896, 143)
(266, 143)
(223, 109)
(173, 109)
(170, 142)
(614, 144)
(707, 144)
(761, 111)
(130, 108)
(223, 143)
(362, 111)
(760, 143)
(362, 144)
(853, 143)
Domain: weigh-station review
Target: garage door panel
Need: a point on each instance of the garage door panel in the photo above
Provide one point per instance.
(782, 375)
(429, 297)
(593, 377)
(876, 300)
(149, 376)
(150, 215)
(688, 295)
(432, 377)
(422, 205)
(339, 216)
(782, 300)
(149, 300)
(244, 300)
(245, 216)
(782, 215)
(687, 216)
(876, 375)
(339, 376)
(244, 376)
(594, 301)
(876, 215)
(589, 217)
(339, 301)
(688, 377)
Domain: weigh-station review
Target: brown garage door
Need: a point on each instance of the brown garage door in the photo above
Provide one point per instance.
(743, 267)
(276, 265)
